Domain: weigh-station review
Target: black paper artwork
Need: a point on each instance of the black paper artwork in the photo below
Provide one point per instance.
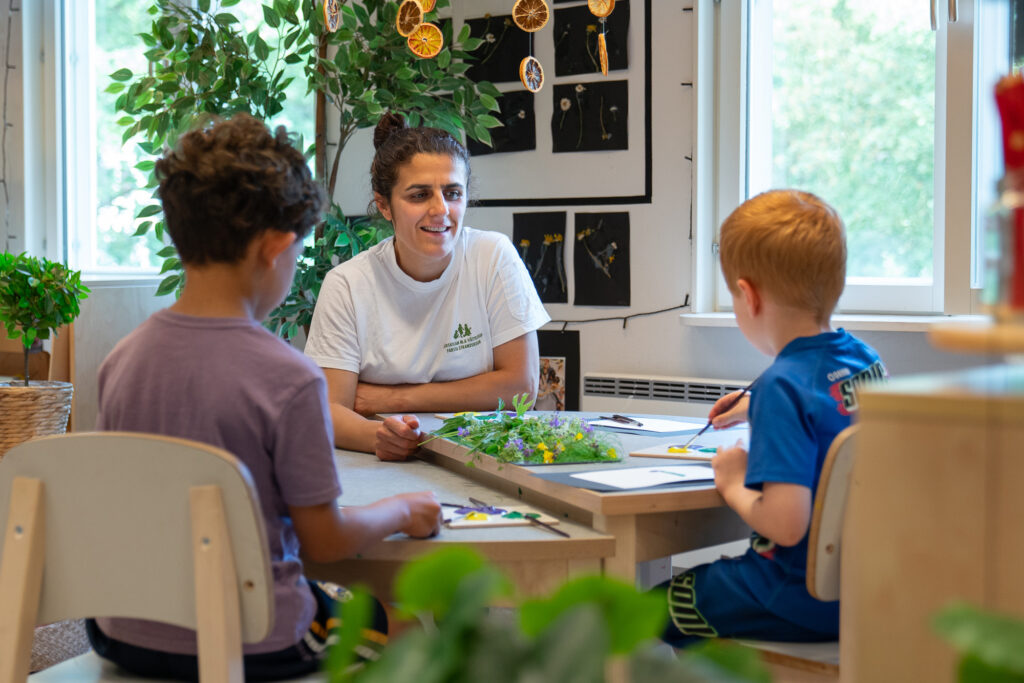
(590, 116)
(575, 35)
(519, 133)
(559, 387)
(505, 45)
(540, 240)
(601, 259)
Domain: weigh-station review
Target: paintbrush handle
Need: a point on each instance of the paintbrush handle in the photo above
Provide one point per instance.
(548, 527)
(726, 409)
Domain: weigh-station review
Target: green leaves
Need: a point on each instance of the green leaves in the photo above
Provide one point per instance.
(989, 643)
(37, 296)
(201, 61)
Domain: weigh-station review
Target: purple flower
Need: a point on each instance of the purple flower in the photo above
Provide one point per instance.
(587, 428)
(555, 422)
(516, 444)
(463, 431)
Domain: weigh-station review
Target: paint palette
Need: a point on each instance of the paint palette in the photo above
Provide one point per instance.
(485, 517)
(675, 450)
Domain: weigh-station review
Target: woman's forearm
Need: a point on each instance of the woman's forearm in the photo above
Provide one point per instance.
(353, 431)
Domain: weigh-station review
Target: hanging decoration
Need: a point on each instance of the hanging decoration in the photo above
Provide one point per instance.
(332, 15)
(425, 40)
(531, 16)
(601, 9)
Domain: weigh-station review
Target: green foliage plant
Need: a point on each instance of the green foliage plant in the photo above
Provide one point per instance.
(201, 62)
(37, 296)
(516, 437)
(991, 646)
(573, 636)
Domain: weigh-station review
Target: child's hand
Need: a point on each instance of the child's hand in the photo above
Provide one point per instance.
(722, 418)
(730, 466)
(424, 514)
(398, 437)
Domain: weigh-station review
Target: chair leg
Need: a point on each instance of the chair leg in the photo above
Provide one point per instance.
(21, 577)
(218, 615)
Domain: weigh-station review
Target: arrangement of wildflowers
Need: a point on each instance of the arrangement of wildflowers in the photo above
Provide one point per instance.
(515, 437)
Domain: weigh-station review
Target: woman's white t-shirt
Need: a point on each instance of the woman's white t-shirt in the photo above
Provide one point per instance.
(373, 319)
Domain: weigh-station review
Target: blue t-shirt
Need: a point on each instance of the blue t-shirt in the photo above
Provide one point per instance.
(797, 407)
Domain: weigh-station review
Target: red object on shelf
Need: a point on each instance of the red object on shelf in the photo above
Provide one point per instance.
(1009, 96)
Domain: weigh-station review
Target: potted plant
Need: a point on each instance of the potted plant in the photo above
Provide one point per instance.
(201, 61)
(592, 628)
(37, 296)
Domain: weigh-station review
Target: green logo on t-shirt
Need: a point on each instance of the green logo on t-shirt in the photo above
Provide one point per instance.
(464, 339)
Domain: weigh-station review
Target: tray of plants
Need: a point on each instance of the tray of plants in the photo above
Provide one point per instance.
(519, 438)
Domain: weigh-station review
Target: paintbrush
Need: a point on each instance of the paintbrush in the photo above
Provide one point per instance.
(727, 408)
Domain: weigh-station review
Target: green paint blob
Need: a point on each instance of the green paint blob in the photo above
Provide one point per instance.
(513, 515)
(532, 515)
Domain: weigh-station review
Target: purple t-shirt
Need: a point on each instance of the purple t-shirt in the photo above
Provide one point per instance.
(232, 384)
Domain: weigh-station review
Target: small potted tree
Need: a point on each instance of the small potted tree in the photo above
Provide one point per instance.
(37, 296)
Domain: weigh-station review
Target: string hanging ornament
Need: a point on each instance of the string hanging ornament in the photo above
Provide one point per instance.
(601, 9)
(424, 39)
(531, 16)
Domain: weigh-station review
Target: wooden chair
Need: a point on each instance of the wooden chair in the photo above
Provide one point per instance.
(823, 554)
(103, 524)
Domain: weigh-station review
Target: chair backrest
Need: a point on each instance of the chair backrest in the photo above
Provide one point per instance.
(824, 539)
(118, 527)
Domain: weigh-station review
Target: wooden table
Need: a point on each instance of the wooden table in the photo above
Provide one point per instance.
(535, 559)
(648, 525)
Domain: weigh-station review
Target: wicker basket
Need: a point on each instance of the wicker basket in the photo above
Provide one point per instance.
(40, 409)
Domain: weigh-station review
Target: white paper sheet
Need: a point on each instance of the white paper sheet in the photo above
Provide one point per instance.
(640, 477)
(649, 424)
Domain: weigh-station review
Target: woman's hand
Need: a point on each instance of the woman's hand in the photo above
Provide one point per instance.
(398, 437)
(723, 414)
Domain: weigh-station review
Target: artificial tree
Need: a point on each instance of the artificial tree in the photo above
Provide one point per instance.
(202, 62)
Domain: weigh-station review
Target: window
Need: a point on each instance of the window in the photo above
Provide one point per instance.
(867, 105)
(104, 187)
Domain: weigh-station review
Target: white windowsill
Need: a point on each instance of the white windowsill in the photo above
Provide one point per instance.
(849, 321)
(100, 279)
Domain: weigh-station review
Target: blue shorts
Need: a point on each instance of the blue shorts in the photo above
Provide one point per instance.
(301, 659)
(715, 601)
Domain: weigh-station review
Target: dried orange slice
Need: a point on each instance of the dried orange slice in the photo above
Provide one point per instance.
(602, 53)
(601, 8)
(427, 5)
(531, 74)
(426, 41)
(332, 15)
(410, 16)
(530, 15)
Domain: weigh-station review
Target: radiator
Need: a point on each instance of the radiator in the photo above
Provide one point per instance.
(685, 396)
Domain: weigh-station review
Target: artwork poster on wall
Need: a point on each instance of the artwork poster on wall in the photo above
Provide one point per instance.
(504, 46)
(601, 259)
(519, 130)
(559, 370)
(576, 31)
(590, 117)
(540, 239)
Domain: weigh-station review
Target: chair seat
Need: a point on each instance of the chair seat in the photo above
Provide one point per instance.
(91, 667)
(820, 658)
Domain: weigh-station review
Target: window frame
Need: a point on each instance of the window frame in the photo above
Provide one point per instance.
(720, 152)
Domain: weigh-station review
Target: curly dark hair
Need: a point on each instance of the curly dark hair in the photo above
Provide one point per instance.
(396, 144)
(224, 184)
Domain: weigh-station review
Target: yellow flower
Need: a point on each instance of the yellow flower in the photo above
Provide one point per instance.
(560, 447)
(611, 452)
(543, 446)
(549, 456)
(524, 243)
(579, 435)
(591, 28)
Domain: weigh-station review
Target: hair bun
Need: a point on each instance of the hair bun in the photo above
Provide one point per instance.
(389, 123)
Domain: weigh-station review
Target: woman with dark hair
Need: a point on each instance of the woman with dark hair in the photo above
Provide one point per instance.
(441, 317)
